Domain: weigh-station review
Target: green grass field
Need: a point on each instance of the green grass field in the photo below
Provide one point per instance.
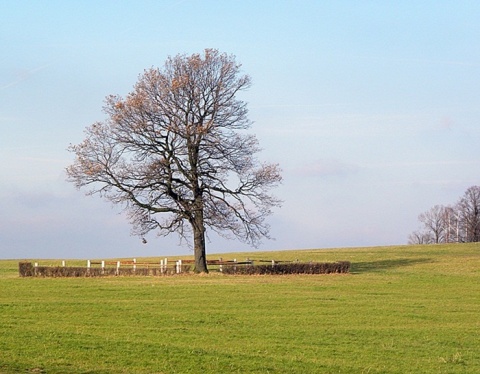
(406, 309)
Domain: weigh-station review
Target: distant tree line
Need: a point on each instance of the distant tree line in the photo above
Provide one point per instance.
(459, 223)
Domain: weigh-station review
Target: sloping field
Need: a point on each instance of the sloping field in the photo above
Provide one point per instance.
(406, 309)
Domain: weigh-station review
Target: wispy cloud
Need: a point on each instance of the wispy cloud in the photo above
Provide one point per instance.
(441, 62)
(421, 61)
(412, 164)
(25, 147)
(24, 75)
(327, 167)
(44, 160)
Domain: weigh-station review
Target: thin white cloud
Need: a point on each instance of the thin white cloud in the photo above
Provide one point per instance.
(25, 148)
(24, 75)
(45, 160)
(411, 164)
(442, 62)
(325, 168)
(423, 61)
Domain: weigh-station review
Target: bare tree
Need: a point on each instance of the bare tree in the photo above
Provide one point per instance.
(174, 154)
(440, 225)
(451, 224)
(469, 214)
(451, 221)
(434, 223)
(420, 237)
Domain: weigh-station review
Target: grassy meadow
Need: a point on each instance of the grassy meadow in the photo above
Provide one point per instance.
(404, 309)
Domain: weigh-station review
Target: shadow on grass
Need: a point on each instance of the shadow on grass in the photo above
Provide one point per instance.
(382, 265)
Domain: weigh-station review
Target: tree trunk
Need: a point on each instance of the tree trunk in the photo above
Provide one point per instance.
(199, 243)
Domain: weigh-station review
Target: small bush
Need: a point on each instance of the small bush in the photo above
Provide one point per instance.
(25, 269)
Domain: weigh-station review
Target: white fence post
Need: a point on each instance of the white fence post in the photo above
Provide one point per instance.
(118, 268)
(163, 266)
(134, 264)
(36, 268)
(63, 263)
(103, 267)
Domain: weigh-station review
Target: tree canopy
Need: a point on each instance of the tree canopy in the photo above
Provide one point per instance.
(175, 155)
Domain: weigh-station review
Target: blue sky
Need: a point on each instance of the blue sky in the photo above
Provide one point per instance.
(372, 109)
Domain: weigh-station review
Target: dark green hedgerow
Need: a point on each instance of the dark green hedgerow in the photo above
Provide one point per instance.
(291, 268)
(26, 269)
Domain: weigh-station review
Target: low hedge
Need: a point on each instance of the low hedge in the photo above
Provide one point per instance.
(291, 268)
(26, 269)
